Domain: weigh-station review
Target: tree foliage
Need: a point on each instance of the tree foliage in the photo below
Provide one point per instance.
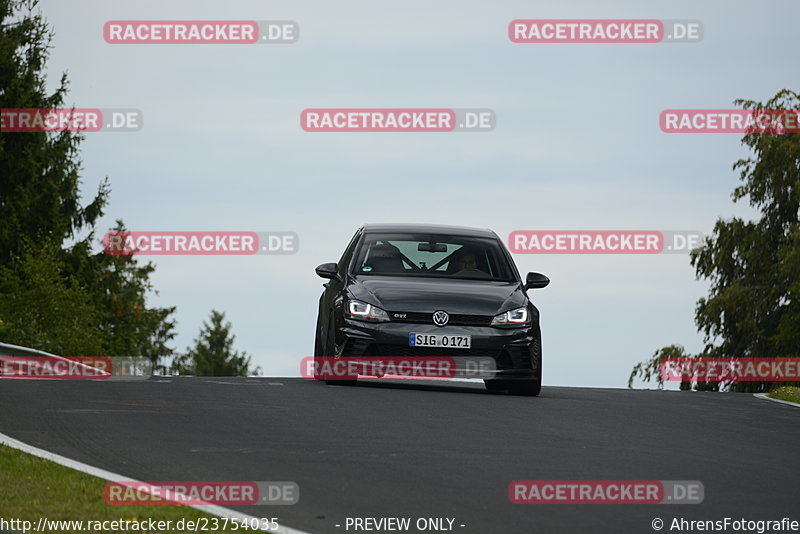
(41, 308)
(40, 184)
(753, 305)
(41, 208)
(119, 285)
(213, 354)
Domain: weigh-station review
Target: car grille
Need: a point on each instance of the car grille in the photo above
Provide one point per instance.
(455, 319)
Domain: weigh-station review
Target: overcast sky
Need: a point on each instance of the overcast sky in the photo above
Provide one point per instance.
(577, 145)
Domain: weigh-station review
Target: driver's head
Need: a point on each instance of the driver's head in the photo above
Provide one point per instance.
(465, 259)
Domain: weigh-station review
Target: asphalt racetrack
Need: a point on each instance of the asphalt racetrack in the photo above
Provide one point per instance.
(424, 450)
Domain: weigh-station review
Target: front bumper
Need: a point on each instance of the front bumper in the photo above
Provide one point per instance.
(516, 352)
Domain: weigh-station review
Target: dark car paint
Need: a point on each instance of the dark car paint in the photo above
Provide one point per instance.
(430, 294)
(421, 294)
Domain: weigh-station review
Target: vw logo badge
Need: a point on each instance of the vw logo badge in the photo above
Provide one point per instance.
(440, 318)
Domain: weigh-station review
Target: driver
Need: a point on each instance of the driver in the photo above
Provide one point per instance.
(464, 259)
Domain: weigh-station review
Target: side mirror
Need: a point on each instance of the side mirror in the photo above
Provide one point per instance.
(536, 281)
(328, 270)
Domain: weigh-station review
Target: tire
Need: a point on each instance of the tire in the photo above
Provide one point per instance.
(528, 388)
(330, 351)
(319, 349)
(494, 386)
(531, 387)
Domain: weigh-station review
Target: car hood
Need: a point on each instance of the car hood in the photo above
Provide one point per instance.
(426, 295)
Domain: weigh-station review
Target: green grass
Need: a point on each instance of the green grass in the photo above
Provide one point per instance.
(786, 393)
(31, 487)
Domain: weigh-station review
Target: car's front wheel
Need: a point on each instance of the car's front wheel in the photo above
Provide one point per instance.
(329, 351)
(530, 388)
(494, 386)
(319, 350)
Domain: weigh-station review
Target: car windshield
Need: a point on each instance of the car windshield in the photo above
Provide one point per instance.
(441, 256)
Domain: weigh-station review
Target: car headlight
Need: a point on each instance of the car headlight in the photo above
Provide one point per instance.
(517, 317)
(365, 312)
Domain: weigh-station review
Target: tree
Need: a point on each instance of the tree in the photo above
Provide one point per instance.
(119, 285)
(40, 204)
(213, 354)
(41, 308)
(753, 306)
(40, 185)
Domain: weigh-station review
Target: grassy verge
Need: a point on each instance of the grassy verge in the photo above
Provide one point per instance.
(32, 488)
(786, 393)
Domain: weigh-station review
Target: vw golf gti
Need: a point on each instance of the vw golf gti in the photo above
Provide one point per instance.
(423, 291)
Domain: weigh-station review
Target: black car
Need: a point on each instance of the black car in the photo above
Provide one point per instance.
(403, 290)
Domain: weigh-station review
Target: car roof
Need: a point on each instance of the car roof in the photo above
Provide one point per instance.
(428, 229)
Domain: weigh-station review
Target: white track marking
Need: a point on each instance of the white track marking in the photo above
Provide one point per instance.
(212, 509)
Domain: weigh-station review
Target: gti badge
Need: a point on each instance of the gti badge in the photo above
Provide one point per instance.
(440, 318)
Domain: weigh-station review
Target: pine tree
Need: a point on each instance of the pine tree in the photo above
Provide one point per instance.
(39, 171)
(213, 354)
(40, 207)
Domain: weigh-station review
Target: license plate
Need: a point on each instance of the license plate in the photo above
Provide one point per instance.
(439, 340)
